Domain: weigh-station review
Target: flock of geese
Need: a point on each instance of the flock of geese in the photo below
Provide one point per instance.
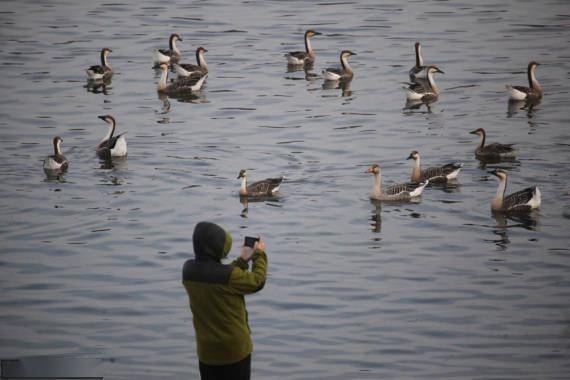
(422, 87)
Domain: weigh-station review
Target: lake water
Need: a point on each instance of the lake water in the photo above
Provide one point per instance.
(90, 263)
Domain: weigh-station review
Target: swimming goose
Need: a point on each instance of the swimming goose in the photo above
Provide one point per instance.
(307, 57)
(419, 70)
(264, 188)
(494, 150)
(166, 56)
(186, 69)
(191, 83)
(56, 161)
(534, 89)
(345, 72)
(434, 173)
(521, 201)
(103, 70)
(424, 91)
(397, 192)
(110, 145)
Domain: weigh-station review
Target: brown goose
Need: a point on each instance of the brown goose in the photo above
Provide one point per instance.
(102, 71)
(419, 70)
(534, 90)
(191, 83)
(264, 188)
(187, 69)
(110, 145)
(494, 150)
(307, 57)
(398, 192)
(170, 55)
(433, 173)
(521, 201)
(56, 161)
(345, 72)
(424, 90)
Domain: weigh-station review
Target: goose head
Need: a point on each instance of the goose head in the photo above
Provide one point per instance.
(164, 67)
(375, 169)
(311, 33)
(56, 144)
(107, 119)
(242, 174)
(478, 132)
(346, 53)
(175, 37)
(106, 51)
(414, 155)
(499, 173)
(434, 69)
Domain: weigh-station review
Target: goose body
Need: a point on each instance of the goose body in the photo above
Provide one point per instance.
(398, 192)
(103, 70)
(187, 69)
(534, 89)
(267, 187)
(434, 173)
(192, 83)
(521, 201)
(111, 145)
(56, 161)
(345, 72)
(424, 90)
(419, 70)
(172, 54)
(303, 58)
(494, 150)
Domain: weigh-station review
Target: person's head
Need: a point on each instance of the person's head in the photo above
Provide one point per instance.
(211, 242)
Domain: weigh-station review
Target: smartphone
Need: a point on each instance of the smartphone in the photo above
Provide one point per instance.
(249, 241)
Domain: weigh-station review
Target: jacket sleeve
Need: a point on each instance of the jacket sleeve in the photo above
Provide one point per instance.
(243, 281)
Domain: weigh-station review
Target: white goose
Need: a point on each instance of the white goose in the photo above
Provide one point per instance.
(521, 201)
(534, 90)
(56, 161)
(424, 91)
(434, 173)
(345, 72)
(110, 145)
(397, 192)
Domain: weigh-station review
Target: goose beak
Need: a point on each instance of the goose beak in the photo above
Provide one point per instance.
(317, 33)
(369, 170)
(352, 53)
(473, 132)
(493, 172)
(410, 157)
(440, 71)
(102, 118)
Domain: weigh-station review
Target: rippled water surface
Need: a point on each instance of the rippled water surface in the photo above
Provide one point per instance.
(90, 262)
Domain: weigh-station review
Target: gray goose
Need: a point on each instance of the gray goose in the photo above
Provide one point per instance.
(166, 56)
(521, 201)
(56, 161)
(398, 192)
(345, 72)
(187, 69)
(111, 145)
(263, 188)
(192, 83)
(534, 90)
(434, 173)
(419, 70)
(424, 90)
(494, 150)
(307, 57)
(102, 71)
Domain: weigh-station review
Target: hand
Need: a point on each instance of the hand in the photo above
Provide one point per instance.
(260, 244)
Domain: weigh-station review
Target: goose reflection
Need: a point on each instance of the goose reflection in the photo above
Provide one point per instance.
(113, 163)
(343, 85)
(101, 86)
(197, 97)
(495, 163)
(376, 216)
(529, 105)
(54, 175)
(245, 201)
(505, 221)
(308, 70)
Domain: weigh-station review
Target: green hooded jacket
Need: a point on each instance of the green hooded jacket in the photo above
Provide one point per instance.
(216, 293)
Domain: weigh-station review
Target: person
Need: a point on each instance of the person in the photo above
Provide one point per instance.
(216, 293)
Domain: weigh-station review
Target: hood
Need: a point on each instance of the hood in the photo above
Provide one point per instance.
(211, 242)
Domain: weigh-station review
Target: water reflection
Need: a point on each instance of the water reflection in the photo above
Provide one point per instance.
(309, 74)
(56, 175)
(101, 86)
(493, 163)
(514, 106)
(527, 221)
(416, 105)
(268, 200)
(196, 97)
(343, 85)
(376, 216)
(113, 163)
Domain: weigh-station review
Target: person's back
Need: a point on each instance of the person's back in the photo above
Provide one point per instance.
(216, 293)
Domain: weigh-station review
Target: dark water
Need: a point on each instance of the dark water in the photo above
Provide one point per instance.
(90, 264)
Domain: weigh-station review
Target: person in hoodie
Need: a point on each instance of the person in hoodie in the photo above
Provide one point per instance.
(216, 292)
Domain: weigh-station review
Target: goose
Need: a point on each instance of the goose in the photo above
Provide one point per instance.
(307, 57)
(56, 161)
(424, 91)
(345, 72)
(186, 69)
(521, 201)
(419, 70)
(166, 56)
(191, 83)
(433, 173)
(110, 145)
(263, 188)
(534, 90)
(494, 150)
(397, 192)
(102, 71)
